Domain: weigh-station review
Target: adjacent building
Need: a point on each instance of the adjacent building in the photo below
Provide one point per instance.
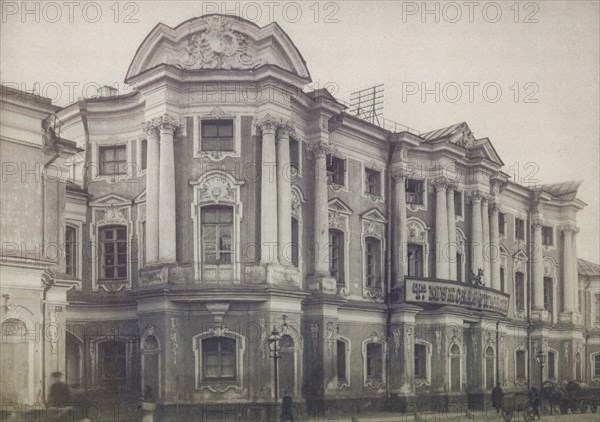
(220, 201)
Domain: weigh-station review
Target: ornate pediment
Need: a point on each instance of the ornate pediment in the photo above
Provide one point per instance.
(219, 46)
(216, 187)
(218, 42)
(374, 215)
(110, 200)
(337, 205)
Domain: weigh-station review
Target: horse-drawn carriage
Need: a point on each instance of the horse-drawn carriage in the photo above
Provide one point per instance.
(517, 403)
(574, 396)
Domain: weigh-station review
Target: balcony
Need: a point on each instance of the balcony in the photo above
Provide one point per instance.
(432, 292)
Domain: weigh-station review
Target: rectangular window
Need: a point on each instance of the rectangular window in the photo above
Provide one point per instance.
(336, 170)
(459, 267)
(295, 249)
(372, 182)
(217, 135)
(113, 160)
(458, 203)
(420, 361)
(415, 260)
(341, 362)
(218, 358)
(414, 191)
(521, 365)
(374, 362)
(144, 151)
(336, 256)
(113, 360)
(548, 294)
(597, 365)
(113, 241)
(71, 251)
(295, 154)
(373, 262)
(520, 291)
(597, 308)
(551, 365)
(502, 224)
(502, 280)
(547, 236)
(519, 229)
(217, 235)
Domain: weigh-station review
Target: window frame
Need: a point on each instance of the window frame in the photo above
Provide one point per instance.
(72, 249)
(224, 384)
(422, 192)
(344, 382)
(219, 227)
(338, 244)
(333, 173)
(459, 208)
(193, 124)
(547, 232)
(217, 122)
(521, 379)
(520, 299)
(519, 231)
(428, 350)
(220, 340)
(554, 375)
(370, 381)
(460, 357)
(102, 263)
(101, 162)
(502, 224)
(377, 183)
(595, 366)
(421, 268)
(376, 257)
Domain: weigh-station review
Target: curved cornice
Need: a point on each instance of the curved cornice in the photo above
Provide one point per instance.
(218, 42)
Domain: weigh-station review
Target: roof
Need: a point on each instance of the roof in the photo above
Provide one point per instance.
(587, 268)
(563, 190)
(321, 93)
(444, 132)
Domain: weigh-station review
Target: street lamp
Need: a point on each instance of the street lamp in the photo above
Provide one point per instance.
(540, 358)
(275, 347)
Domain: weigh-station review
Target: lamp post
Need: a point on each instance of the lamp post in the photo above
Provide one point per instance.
(540, 358)
(275, 347)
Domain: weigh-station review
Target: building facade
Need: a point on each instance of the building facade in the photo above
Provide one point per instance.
(219, 201)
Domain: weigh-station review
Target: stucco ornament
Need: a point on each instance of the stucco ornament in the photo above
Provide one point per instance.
(218, 47)
(114, 215)
(216, 189)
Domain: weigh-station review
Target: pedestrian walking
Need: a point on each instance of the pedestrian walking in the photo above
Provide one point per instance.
(497, 397)
(536, 401)
(287, 406)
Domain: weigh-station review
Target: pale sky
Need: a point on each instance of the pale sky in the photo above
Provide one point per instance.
(542, 57)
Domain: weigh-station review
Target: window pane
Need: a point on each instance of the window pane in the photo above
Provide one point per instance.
(209, 130)
(226, 130)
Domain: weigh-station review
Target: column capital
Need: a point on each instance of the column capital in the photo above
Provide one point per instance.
(285, 129)
(268, 123)
(569, 228)
(399, 174)
(320, 148)
(537, 223)
(440, 183)
(494, 206)
(166, 122)
(476, 196)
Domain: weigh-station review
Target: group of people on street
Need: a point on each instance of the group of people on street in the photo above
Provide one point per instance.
(535, 399)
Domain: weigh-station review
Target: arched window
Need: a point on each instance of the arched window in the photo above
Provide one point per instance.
(336, 256)
(112, 361)
(373, 262)
(519, 291)
(218, 358)
(151, 367)
(455, 368)
(113, 249)
(415, 260)
(490, 368)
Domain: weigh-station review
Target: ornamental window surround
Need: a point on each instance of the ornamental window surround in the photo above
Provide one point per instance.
(216, 214)
(415, 191)
(112, 160)
(72, 247)
(113, 249)
(336, 170)
(215, 135)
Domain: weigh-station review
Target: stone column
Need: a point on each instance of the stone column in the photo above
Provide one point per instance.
(167, 209)
(321, 216)
(575, 271)
(268, 191)
(152, 183)
(399, 226)
(476, 236)
(538, 268)
(569, 285)
(485, 240)
(441, 231)
(452, 246)
(494, 247)
(284, 194)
